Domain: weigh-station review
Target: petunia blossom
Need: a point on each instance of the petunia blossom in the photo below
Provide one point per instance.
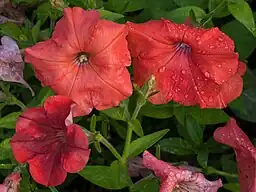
(11, 63)
(49, 143)
(178, 179)
(191, 65)
(233, 136)
(85, 59)
(11, 183)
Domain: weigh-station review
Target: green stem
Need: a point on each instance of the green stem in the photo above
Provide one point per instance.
(107, 144)
(130, 130)
(212, 170)
(6, 166)
(211, 13)
(53, 189)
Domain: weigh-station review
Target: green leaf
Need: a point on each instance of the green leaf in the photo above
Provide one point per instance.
(245, 42)
(12, 30)
(35, 31)
(39, 99)
(157, 111)
(176, 146)
(241, 10)
(215, 147)
(113, 177)
(202, 157)
(194, 130)
(244, 106)
(229, 166)
(148, 184)
(221, 11)
(105, 14)
(249, 79)
(179, 15)
(143, 143)
(233, 187)
(117, 5)
(199, 3)
(203, 116)
(46, 10)
(5, 148)
(9, 121)
(117, 113)
(136, 127)
(135, 5)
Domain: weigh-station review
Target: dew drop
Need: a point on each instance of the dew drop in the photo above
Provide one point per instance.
(230, 70)
(183, 71)
(186, 96)
(177, 90)
(219, 65)
(198, 38)
(220, 39)
(207, 74)
(226, 47)
(202, 92)
(211, 47)
(195, 87)
(210, 99)
(162, 69)
(181, 79)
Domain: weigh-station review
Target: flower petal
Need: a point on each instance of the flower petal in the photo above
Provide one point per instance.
(57, 109)
(76, 154)
(233, 136)
(11, 63)
(46, 169)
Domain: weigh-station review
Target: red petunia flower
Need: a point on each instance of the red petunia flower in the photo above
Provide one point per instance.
(178, 179)
(233, 136)
(191, 65)
(85, 59)
(51, 145)
(11, 183)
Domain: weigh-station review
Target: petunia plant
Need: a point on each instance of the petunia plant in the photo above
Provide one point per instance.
(132, 95)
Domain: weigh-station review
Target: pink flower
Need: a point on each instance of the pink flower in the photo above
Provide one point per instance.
(11, 183)
(178, 179)
(234, 137)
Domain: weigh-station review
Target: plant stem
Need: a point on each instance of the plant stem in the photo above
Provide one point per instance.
(107, 144)
(6, 166)
(53, 189)
(212, 170)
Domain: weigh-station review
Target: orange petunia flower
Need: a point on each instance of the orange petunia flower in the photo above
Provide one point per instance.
(191, 65)
(85, 59)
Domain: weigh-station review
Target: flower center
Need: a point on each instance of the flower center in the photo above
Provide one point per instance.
(82, 58)
(185, 48)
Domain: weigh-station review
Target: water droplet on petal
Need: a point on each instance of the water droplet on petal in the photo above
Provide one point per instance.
(183, 71)
(186, 96)
(181, 79)
(210, 99)
(195, 87)
(198, 38)
(207, 74)
(177, 90)
(202, 92)
(162, 69)
(230, 70)
(211, 47)
(219, 65)
(220, 39)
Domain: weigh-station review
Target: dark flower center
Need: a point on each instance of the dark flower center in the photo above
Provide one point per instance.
(185, 48)
(82, 58)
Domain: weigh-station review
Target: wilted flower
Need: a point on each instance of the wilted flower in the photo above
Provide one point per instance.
(191, 65)
(178, 179)
(234, 137)
(11, 183)
(11, 63)
(49, 145)
(85, 59)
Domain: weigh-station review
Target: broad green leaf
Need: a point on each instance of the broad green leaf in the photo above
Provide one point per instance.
(117, 5)
(143, 143)
(105, 14)
(136, 127)
(199, 3)
(113, 177)
(46, 10)
(5, 148)
(9, 121)
(117, 113)
(179, 15)
(39, 99)
(245, 42)
(214, 147)
(233, 187)
(148, 184)
(135, 5)
(244, 106)
(25, 1)
(12, 30)
(157, 111)
(241, 10)
(249, 79)
(35, 31)
(176, 146)
(194, 130)
(220, 7)
(203, 116)
(229, 166)
(202, 157)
